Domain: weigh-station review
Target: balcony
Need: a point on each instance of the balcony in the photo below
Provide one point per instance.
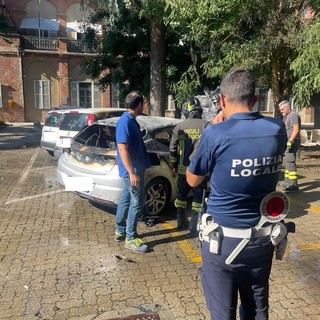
(39, 43)
(78, 46)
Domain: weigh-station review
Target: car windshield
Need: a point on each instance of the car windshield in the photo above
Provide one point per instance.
(53, 119)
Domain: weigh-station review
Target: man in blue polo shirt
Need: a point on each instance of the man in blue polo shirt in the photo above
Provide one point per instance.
(133, 160)
(242, 156)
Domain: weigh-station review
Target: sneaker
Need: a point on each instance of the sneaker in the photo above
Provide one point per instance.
(119, 236)
(136, 245)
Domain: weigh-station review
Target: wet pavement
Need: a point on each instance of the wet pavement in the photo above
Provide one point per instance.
(58, 258)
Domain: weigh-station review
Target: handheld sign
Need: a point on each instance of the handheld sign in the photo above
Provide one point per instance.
(273, 208)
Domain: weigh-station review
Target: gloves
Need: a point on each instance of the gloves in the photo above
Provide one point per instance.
(289, 145)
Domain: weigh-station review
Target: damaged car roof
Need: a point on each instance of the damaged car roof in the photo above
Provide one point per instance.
(145, 122)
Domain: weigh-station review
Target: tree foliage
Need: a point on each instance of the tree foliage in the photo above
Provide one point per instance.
(204, 40)
(123, 48)
(306, 66)
(258, 35)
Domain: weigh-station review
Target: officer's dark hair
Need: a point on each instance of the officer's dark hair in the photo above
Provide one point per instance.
(239, 86)
(133, 99)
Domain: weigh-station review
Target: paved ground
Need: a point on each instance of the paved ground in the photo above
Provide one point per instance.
(58, 259)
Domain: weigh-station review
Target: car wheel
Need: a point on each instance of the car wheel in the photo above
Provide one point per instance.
(156, 196)
(51, 153)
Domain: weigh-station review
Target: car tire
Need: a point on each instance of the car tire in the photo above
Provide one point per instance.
(156, 196)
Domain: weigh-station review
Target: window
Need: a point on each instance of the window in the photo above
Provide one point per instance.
(164, 136)
(42, 94)
(265, 102)
(116, 101)
(262, 102)
(85, 94)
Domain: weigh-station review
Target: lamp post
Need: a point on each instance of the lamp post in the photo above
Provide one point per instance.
(39, 22)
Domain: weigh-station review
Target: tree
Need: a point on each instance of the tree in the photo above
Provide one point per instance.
(306, 69)
(258, 35)
(123, 48)
(133, 47)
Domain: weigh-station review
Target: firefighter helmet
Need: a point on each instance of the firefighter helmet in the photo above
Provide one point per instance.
(192, 108)
(215, 96)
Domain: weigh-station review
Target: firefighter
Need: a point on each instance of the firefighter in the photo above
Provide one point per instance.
(184, 142)
(293, 124)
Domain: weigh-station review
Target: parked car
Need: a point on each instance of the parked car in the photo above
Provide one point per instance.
(51, 127)
(75, 120)
(91, 169)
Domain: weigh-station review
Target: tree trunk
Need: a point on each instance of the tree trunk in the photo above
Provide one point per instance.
(157, 68)
(280, 83)
(315, 102)
(275, 85)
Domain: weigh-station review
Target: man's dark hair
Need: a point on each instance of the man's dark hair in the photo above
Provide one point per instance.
(238, 86)
(133, 99)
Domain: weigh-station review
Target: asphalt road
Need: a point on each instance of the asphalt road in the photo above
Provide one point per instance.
(58, 258)
(19, 135)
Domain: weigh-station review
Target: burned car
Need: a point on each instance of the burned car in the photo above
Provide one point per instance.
(90, 167)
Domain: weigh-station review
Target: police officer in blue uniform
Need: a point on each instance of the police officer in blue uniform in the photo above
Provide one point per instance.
(242, 156)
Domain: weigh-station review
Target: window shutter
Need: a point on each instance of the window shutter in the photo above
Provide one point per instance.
(96, 96)
(74, 93)
(37, 94)
(46, 94)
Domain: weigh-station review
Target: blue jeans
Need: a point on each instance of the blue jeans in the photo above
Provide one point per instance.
(130, 207)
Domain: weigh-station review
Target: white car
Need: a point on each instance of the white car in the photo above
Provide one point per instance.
(51, 127)
(91, 169)
(75, 120)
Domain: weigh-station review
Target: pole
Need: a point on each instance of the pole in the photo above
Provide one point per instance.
(39, 23)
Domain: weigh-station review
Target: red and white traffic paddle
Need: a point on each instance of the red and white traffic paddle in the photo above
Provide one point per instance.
(273, 208)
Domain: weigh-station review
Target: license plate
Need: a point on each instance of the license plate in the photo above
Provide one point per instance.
(78, 184)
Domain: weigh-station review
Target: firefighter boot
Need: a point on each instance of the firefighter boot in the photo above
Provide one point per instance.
(193, 222)
(181, 219)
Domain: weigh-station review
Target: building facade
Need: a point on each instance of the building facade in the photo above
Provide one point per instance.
(40, 59)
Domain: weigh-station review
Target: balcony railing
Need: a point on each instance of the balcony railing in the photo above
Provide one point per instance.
(38, 43)
(78, 46)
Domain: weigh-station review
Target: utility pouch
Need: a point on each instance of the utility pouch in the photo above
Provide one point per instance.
(279, 232)
(214, 241)
(281, 248)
